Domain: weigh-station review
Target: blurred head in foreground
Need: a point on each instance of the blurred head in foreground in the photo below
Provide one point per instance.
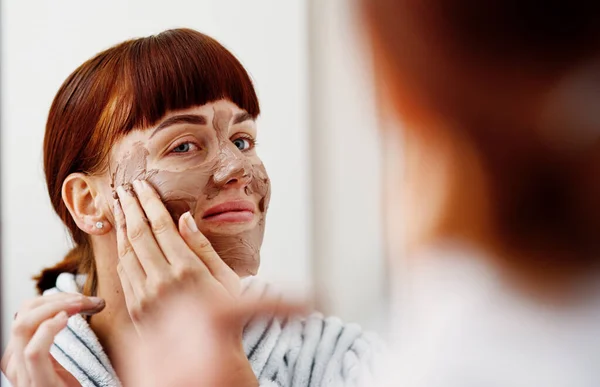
(501, 124)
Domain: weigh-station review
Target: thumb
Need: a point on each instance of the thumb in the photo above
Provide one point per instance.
(202, 247)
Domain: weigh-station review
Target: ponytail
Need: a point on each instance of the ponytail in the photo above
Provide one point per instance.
(80, 260)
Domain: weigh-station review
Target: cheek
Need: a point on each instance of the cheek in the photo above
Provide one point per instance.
(104, 199)
(180, 191)
(261, 186)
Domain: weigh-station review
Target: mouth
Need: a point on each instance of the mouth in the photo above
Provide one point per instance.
(231, 212)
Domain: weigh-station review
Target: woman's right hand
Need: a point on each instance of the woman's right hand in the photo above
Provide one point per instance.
(27, 360)
(182, 298)
(158, 261)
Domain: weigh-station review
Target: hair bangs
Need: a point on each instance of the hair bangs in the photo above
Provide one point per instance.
(179, 69)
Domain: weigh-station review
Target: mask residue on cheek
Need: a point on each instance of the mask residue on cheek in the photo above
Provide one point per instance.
(178, 190)
(131, 167)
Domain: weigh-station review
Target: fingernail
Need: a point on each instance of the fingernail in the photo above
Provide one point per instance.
(120, 191)
(190, 222)
(149, 188)
(126, 188)
(117, 207)
(138, 186)
(97, 304)
(96, 300)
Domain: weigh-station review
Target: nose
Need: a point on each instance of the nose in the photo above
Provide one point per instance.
(233, 173)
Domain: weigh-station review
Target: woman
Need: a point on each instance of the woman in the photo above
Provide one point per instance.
(150, 162)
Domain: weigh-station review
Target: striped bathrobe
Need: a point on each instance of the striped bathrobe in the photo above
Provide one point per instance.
(313, 351)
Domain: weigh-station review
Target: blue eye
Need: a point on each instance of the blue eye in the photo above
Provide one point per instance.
(183, 148)
(243, 143)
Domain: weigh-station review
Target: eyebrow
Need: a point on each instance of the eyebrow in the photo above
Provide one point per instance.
(241, 117)
(194, 119)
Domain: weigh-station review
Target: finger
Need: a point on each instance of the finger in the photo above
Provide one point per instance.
(27, 322)
(128, 260)
(203, 249)
(270, 307)
(35, 302)
(30, 319)
(254, 291)
(37, 353)
(22, 375)
(140, 235)
(165, 232)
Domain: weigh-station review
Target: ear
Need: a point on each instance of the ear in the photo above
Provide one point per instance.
(85, 204)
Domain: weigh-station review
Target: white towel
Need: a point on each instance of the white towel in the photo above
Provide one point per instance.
(315, 351)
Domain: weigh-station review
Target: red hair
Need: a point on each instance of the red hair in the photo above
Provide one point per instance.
(131, 85)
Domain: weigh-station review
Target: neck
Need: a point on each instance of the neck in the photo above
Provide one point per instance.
(113, 324)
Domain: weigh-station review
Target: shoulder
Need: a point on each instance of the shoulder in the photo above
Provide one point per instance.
(314, 348)
(334, 351)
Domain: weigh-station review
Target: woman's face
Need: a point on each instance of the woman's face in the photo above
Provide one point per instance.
(203, 160)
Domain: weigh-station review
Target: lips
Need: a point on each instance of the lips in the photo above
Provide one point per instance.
(236, 211)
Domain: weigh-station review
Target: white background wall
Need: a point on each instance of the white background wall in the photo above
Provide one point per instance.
(347, 167)
(323, 226)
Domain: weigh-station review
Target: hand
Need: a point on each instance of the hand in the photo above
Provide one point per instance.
(27, 360)
(159, 263)
(182, 298)
(193, 357)
(157, 260)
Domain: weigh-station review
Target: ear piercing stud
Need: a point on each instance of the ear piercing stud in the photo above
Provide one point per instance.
(99, 225)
